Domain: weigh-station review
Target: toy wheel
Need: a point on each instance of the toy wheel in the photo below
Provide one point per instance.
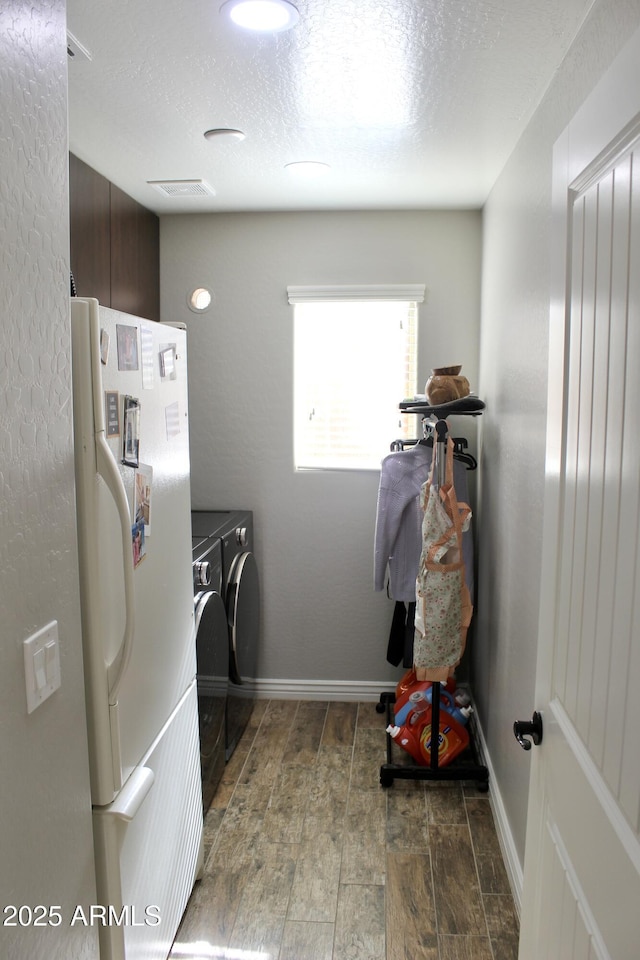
(483, 786)
(380, 708)
(385, 780)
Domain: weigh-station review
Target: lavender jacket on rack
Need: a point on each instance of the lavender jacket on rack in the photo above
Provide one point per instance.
(398, 534)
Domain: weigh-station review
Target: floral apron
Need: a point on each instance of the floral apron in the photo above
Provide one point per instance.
(443, 604)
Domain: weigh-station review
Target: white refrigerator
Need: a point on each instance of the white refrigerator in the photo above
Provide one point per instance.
(134, 542)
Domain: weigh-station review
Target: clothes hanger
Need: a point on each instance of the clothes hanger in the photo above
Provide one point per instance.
(459, 451)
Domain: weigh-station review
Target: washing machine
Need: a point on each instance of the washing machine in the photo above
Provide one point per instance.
(212, 656)
(241, 593)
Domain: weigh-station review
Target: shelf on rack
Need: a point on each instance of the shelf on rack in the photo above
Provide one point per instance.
(464, 767)
(466, 406)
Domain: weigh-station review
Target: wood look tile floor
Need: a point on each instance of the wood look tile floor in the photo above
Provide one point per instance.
(307, 857)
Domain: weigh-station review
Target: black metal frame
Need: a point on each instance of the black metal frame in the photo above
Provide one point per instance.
(465, 767)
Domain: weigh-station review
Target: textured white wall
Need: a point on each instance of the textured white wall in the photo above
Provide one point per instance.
(45, 807)
(513, 380)
(314, 531)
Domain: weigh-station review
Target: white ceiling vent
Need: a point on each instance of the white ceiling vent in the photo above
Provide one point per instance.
(183, 188)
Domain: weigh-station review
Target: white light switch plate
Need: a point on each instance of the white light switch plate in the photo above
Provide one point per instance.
(41, 665)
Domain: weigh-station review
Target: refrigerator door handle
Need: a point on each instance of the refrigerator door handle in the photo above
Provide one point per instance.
(108, 470)
(129, 800)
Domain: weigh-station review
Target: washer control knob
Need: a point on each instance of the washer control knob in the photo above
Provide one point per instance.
(202, 573)
(241, 536)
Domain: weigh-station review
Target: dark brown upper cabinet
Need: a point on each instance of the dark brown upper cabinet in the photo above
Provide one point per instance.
(90, 226)
(115, 244)
(135, 257)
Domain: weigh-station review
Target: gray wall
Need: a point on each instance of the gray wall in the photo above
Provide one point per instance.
(45, 807)
(513, 380)
(322, 620)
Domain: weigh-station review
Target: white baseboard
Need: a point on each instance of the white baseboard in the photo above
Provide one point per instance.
(363, 690)
(503, 829)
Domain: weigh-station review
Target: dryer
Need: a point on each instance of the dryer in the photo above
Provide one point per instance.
(212, 657)
(241, 593)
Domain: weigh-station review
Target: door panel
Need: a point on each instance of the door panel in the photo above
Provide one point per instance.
(569, 932)
(628, 456)
(147, 865)
(582, 862)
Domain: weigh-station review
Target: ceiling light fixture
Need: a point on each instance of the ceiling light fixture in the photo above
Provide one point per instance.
(267, 16)
(223, 132)
(307, 168)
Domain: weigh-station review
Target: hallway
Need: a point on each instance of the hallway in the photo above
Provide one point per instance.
(308, 858)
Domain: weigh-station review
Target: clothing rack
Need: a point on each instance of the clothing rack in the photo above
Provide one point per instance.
(467, 765)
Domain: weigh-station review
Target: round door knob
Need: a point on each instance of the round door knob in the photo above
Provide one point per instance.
(528, 728)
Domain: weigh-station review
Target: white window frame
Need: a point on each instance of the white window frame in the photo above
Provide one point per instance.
(366, 392)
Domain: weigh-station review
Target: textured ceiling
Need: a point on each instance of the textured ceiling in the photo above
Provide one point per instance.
(413, 103)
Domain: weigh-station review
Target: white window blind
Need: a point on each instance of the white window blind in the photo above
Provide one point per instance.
(355, 358)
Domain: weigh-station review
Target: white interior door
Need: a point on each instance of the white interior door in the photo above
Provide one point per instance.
(582, 864)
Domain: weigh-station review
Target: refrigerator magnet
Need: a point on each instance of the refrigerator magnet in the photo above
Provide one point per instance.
(138, 543)
(146, 355)
(112, 412)
(142, 496)
(131, 433)
(172, 419)
(127, 338)
(168, 361)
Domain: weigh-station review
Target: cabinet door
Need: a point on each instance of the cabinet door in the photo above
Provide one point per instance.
(89, 199)
(135, 257)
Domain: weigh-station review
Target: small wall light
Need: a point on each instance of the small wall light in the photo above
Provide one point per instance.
(199, 300)
(267, 16)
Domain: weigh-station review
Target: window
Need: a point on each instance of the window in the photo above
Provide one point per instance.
(355, 358)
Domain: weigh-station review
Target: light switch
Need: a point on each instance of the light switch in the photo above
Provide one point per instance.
(41, 665)
(39, 669)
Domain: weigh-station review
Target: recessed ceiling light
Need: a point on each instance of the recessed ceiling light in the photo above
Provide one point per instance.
(307, 168)
(224, 132)
(269, 16)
